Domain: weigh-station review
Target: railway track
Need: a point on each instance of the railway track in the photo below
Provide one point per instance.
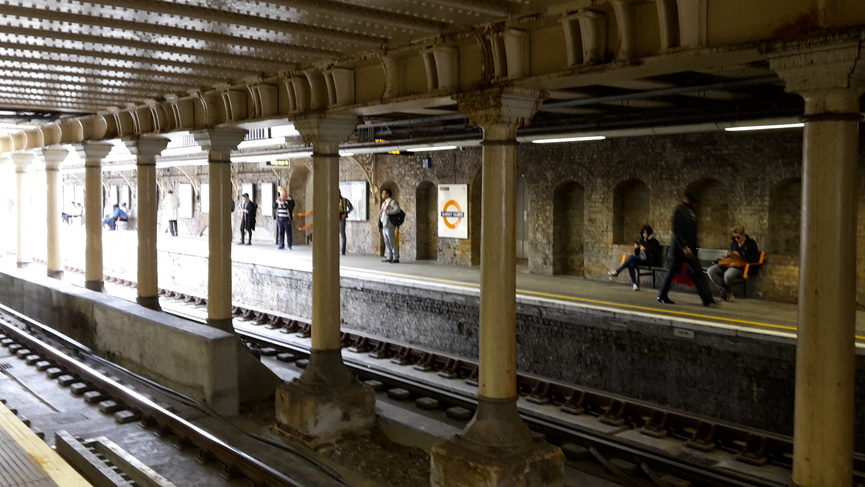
(626, 441)
(636, 444)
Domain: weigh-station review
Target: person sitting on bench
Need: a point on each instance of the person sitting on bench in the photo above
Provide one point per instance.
(730, 269)
(647, 251)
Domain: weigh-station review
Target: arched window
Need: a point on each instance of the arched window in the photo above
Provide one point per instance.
(568, 222)
(630, 210)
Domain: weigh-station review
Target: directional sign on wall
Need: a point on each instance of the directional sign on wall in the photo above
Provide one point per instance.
(453, 211)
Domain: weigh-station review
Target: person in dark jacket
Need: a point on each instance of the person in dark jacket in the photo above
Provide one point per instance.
(647, 251)
(247, 221)
(723, 276)
(683, 251)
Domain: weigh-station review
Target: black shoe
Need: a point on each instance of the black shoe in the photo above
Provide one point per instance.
(386, 260)
(241, 243)
(343, 252)
(249, 243)
(396, 261)
(709, 303)
(665, 300)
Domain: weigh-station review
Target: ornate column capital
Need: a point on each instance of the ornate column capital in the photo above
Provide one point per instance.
(23, 160)
(830, 77)
(500, 111)
(94, 152)
(145, 148)
(219, 142)
(54, 157)
(326, 132)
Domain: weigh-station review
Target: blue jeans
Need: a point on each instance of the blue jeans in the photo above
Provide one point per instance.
(283, 232)
(631, 263)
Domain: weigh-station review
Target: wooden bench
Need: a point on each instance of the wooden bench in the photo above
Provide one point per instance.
(706, 257)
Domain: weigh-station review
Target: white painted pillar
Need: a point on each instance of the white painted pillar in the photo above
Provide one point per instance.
(54, 157)
(146, 148)
(93, 154)
(219, 143)
(23, 167)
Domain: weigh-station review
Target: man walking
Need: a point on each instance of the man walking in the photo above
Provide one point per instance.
(683, 250)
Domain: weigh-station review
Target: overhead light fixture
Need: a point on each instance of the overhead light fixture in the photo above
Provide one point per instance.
(431, 148)
(569, 139)
(765, 127)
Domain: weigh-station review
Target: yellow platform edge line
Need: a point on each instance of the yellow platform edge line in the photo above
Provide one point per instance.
(49, 460)
(597, 302)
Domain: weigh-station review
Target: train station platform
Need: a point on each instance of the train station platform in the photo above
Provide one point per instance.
(614, 294)
(27, 461)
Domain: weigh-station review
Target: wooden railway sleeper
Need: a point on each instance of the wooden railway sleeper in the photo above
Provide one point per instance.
(656, 426)
(704, 438)
(380, 351)
(361, 345)
(290, 326)
(304, 330)
(426, 363)
(472, 379)
(540, 393)
(754, 451)
(615, 413)
(275, 322)
(575, 402)
(451, 369)
(403, 356)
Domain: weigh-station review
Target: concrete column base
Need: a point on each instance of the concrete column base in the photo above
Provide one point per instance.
(151, 302)
(22, 265)
(326, 403)
(224, 324)
(457, 463)
(55, 273)
(98, 286)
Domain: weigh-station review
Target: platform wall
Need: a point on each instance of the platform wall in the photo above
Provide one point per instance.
(731, 375)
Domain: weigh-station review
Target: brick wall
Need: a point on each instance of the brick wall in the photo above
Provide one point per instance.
(584, 200)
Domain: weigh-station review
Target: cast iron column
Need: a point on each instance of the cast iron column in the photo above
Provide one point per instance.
(326, 401)
(146, 148)
(23, 164)
(53, 158)
(219, 143)
(93, 153)
(829, 78)
(496, 448)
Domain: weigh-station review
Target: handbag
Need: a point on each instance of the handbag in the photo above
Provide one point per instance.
(732, 260)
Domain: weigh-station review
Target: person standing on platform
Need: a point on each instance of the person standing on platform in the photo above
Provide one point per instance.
(345, 207)
(283, 208)
(171, 207)
(389, 207)
(247, 221)
(683, 251)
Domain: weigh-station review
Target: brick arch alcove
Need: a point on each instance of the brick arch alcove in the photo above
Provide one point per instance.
(568, 228)
(785, 217)
(631, 210)
(713, 213)
(426, 206)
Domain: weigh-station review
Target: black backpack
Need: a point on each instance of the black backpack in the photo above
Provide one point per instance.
(397, 218)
